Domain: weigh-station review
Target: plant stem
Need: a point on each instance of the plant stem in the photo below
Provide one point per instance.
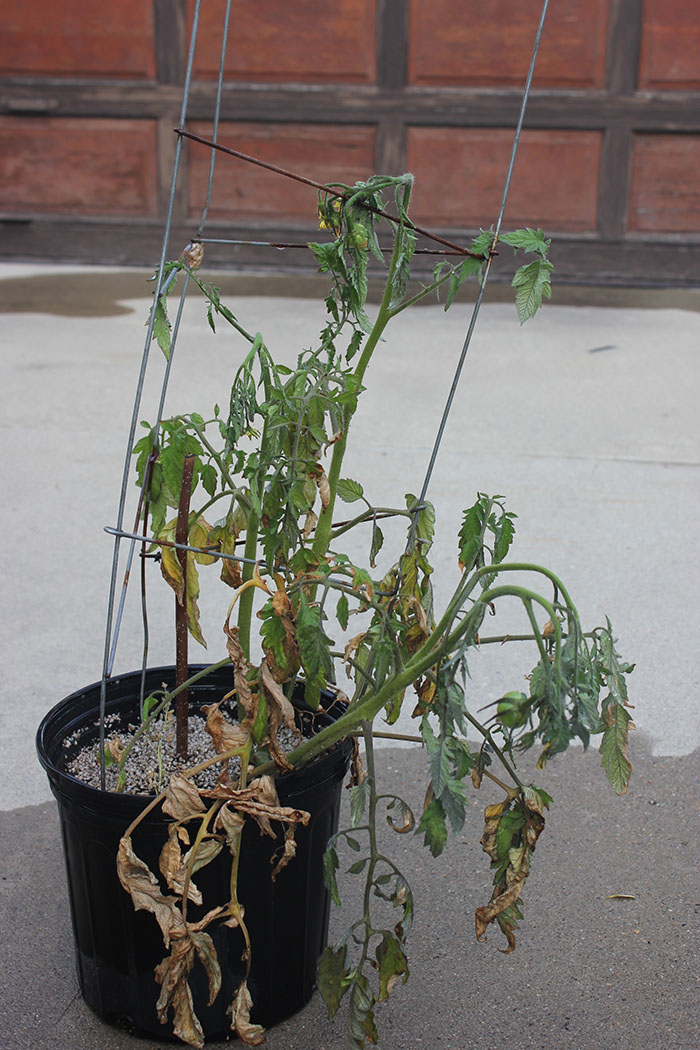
(324, 528)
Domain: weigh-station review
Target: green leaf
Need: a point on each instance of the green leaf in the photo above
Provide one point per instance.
(333, 977)
(358, 866)
(482, 243)
(471, 534)
(162, 327)
(532, 281)
(432, 825)
(527, 240)
(313, 643)
(359, 797)
(613, 746)
(377, 544)
(349, 491)
(342, 611)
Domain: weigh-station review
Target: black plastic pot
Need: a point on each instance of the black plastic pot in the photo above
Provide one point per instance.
(117, 947)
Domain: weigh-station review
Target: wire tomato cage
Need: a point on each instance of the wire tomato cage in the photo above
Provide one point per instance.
(192, 253)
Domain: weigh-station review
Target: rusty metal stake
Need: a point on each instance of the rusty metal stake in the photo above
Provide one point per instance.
(181, 534)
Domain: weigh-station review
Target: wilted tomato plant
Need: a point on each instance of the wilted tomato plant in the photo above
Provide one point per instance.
(265, 481)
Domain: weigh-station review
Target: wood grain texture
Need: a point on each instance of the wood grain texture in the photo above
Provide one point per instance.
(299, 40)
(460, 173)
(491, 43)
(80, 38)
(670, 52)
(79, 166)
(665, 191)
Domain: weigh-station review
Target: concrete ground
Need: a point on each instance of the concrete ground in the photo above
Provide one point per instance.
(587, 420)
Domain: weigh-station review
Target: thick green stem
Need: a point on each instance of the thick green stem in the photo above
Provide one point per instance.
(322, 536)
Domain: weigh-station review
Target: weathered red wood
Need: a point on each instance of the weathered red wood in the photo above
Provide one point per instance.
(460, 172)
(81, 166)
(301, 40)
(670, 52)
(80, 38)
(665, 192)
(491, 43)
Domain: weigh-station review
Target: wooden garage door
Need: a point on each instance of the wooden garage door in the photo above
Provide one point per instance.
(609, 163)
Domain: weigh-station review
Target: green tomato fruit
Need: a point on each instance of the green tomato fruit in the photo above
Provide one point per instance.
(513, 710)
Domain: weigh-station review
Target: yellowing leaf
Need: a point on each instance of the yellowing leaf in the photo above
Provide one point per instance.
(199, 537)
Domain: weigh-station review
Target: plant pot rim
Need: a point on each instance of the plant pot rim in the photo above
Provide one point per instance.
(79, 711)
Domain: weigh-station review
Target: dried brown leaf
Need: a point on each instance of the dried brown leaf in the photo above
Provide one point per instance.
(259, 800)
(357, 772)
(140, 882)
(508, 889)
(204, 946)
(182, 799)
(310, 523)
(281, 712)
(240, 673)
(289, 851)
(250, 1034)
(225, 736)
(172, 865)
(353, 645)
(172, 974)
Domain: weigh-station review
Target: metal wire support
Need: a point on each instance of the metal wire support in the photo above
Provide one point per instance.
(115, 609)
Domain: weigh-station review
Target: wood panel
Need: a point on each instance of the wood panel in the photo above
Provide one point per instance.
(45, 38)
(243, 192)
(609, 157)
(300, 40)
(665, 195)
(460, 174)
(78, 166)
(492, 43)
(670, 54)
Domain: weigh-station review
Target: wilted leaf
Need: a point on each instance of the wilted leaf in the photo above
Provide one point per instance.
(281, 712)
(172, 865)
(140, 882)
(288, 852)
(392, 965)
(250, 1034)
(332, 977)
(224, 735)
(182, 799)
(259, 800)
(244, 693)
(324, 490)
(405, 822)
(204, 946)
(172, 974)
(511, 831)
